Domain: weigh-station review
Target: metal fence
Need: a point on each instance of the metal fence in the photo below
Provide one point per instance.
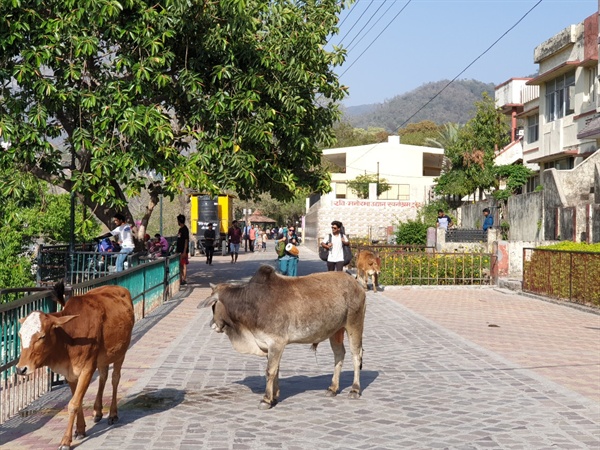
(55, 262)
(420, 265)
(565, 275)
(466, 235)
(150, 285)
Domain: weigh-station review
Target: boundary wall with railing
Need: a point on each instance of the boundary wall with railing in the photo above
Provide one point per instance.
(150, 285)
(563, 275)
(424, 266)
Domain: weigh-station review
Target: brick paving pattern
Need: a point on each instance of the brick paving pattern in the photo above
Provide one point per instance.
(443, 368)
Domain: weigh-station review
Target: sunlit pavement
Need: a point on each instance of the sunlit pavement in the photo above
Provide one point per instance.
(457, 368)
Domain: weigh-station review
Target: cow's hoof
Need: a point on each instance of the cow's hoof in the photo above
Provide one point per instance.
(263, 405)
(113, 420)
(330, 393)
(354, 394)
(97, 418)
(79, 435)
(64, 447)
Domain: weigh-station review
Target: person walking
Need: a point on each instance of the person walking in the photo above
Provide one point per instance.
(234, 237)
(288, 263)
(488, 219)
(124, 235)
(183, 246)
(335, 242)
(251, 238)
(209, 243)
(443, 221)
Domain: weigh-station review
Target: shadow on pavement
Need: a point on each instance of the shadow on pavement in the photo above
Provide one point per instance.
(298, 384)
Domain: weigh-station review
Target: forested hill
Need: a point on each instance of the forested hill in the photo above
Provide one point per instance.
(455, 104)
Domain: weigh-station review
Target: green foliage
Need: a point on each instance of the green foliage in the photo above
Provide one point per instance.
(571, 246)
(454, 104)
(428, 213)
(29, 215)
(565, 273)
(411, 232)
(348, 136)
(211, 96)
(431, 269)
(360, 185)
(514, 177)
(419, 133)
(472, 155)
(284, 213)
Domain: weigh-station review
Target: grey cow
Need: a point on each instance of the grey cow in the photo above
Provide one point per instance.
(270, 311)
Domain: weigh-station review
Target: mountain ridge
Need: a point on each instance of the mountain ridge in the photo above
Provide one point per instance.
(452, 102)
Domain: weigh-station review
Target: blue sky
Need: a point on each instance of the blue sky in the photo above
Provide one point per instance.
(433, 40)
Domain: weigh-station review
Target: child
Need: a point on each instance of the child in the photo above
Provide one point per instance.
(263, 240)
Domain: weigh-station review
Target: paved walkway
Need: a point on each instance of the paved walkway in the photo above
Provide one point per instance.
(447, 368)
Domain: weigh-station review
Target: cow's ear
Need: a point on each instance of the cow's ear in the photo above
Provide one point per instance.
(212, 286)
(22, 319)
(208, 302)
(60, 321)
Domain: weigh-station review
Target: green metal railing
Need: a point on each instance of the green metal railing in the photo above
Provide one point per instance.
(150, 285)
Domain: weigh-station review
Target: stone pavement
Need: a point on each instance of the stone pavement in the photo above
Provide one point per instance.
(455, 368)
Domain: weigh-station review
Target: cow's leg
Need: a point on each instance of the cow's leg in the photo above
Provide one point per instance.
(103, 372)
(337, 345)
(79, 388)
(375, 277)
(113, 416)
(272, 374)
(362, 278)
(355, 334)
(80, 424)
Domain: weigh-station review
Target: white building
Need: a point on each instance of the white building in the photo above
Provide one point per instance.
(410, 171)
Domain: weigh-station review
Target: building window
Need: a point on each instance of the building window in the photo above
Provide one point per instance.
(560, 96)
(561, 164)
(533, 129)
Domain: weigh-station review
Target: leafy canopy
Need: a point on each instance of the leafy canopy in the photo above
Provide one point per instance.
(166, 95)
(471, 155)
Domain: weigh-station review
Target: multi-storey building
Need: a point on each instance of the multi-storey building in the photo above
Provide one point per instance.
(555, 116)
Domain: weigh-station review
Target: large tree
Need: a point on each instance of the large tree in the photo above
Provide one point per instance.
(105, 98)
(472, 153)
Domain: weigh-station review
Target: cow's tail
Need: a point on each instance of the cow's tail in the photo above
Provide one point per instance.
(59, 293)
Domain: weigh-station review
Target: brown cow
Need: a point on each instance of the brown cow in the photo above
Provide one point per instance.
(92, 331)
(270, 311)
(368, 264)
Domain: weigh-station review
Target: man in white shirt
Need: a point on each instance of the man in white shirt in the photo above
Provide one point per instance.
(125, 239)
(335, 260)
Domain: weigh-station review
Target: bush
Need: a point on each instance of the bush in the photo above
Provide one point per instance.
(413, 232)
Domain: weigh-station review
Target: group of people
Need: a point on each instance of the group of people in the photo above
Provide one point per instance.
(444, 221)
(288, 260)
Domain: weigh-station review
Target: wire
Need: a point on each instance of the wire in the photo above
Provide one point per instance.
(377, 37)
(372, 26)
(472, 62)
(355, 23)
(365, 25)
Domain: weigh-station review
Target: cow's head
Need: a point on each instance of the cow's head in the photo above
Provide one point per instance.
(220, 320)
(38, 340)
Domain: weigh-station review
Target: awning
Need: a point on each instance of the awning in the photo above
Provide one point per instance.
(591, 130)
(553, 73)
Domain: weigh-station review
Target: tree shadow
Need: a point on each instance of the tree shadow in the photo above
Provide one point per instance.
(130, 408)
